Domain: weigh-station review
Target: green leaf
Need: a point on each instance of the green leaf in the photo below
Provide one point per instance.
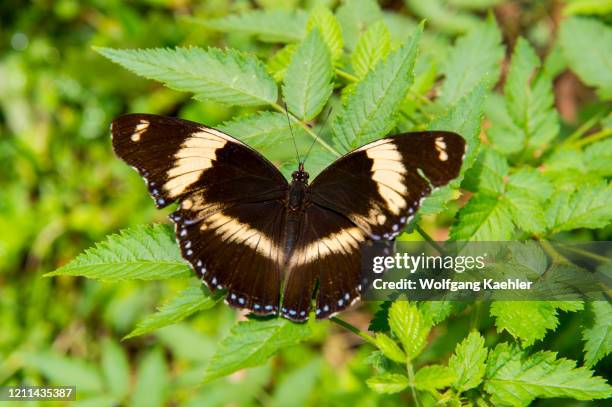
(586, 45)
(115, 368)
(261, 130)
(389, 348)
(602, 7)
(267, 25)
(252, 343)
(487, 174)
(228, 76)
(388, 383)
(409, 326)
(190, 301)
(529, 103)
(370, 110)
(307, 81)
(373, 46)
(598, 158)
(597, 332)
(588, 207)
(278, 63)
(443, 17)
(516, 379)
(63, 370)
(433, 377)
(354, 17)
(380, 321)
(475, 58)
(324, 20)
(527, 211)
(531, 182)
(151, 381)
(437, 311)
(140, 253)
(464, 118)
(468, 362)
(483, 218)
(528, 321)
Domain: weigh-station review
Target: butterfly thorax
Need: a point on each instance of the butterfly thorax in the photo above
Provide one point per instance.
(297, 190)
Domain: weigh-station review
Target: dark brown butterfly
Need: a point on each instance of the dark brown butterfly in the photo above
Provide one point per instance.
(245, 229)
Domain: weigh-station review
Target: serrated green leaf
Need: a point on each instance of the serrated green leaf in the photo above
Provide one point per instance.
(586, 45)
(324, 20)
(464, 118)
(527, 211)
(437, 311)
(373, 46)
(516, 379)
(531, 182)
(307, 82)
(188, 302)
(151, 381)
(225, 76)
(60, 370)
(468, 362)
(438, 200)
(433, 377)
(407, 323)
(598, 158)
(587, 207)
(267, 25)
(487, 174)
(252, 343)
(483, 218)
(529, 100)
(261, 130)
(389, 348)
(528, 321)
(278, 63)
(597, 332)
(388, 383)
(370, 110)
(354, 17)
(141, 253)
(115, 369)
(443, 17)
(475, 58)
(380, 320)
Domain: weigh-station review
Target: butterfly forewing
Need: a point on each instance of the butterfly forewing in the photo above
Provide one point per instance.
(230, 219)
(381, 185)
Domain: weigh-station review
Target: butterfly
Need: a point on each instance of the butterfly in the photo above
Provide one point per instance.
(276, 245)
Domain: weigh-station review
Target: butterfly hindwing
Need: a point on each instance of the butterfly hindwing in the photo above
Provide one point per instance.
(381, 185)
(231, 214)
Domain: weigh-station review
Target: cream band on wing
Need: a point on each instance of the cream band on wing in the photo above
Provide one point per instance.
(195, 156)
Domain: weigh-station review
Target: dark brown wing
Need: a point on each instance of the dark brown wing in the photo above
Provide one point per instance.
(231, 215)
(369, 194)
(381, 185)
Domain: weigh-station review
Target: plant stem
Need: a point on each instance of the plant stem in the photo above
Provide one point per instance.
(307, 129)
(353, 329)
(429, 239)
(584, 127)
(410, 371)
(346, 75)
(593, 137)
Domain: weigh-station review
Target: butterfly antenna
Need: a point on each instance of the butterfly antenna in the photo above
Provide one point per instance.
(317, 136)
(297, 153)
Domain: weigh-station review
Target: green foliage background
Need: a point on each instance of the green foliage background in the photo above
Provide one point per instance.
(526, 83)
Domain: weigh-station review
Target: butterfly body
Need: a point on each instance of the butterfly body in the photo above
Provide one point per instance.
(272, 244)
